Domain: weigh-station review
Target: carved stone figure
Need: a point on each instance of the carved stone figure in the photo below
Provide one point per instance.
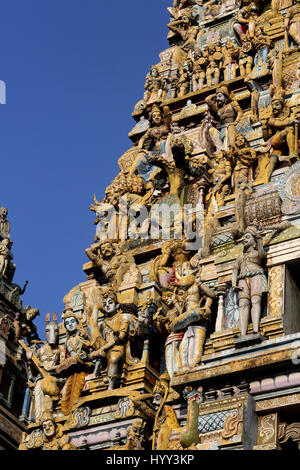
(75, 365)
(245, 57)
(248, 279)
(229, 62)
(153, 86)
(46, 388)
(107, 257)
(113, 344)
(221, 175)
(4, 224)
(153, 142)
(212, 72)
(184, 83)
(292, 21)
(52, 438)
(141, 126)
(196, 302)
(192, 321)
(244, 157)
(24, 326)
(199, 72)
(229, 113)
(262, 45)
(247, 18)
(185, 28)
(281, 128)
(165, 418)
(4, 255)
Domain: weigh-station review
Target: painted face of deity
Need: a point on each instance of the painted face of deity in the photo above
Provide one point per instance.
(157, 118)
(109, 305)
(49, 428)
(71, 324)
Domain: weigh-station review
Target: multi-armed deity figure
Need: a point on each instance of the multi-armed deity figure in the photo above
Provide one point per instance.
(248, 279)
(196, 302)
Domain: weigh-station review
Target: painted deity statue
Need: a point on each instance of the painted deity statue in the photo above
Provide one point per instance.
(163, 321)
(165, 418)
(245, 57)
(197, 299)
(292, 21)
(114, 265)
(112, 346)
(153, 142)
(213, 69)
(244, 157)
(192, 322)
(228, 112)
(262, 45)
(4, 224)
(75, 365)
(4, 255)
(185, 28)
(248, 279)
(153, 86)
(281, 128)
(52, 438)
(46, 387)
(199, 75)
(230, 60)
(247, 18)
(185, 79)
(221, 175)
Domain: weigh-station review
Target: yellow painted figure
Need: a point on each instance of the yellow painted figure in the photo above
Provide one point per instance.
(292, 21)
(248, 279)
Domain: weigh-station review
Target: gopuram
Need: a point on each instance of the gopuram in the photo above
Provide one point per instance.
(16, 323)
(186, 333)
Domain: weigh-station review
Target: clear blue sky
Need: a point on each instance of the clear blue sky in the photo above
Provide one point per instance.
(74, 70)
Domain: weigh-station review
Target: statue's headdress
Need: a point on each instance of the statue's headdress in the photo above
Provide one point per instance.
(278, 94)
(47, 415)
(155, 108)
(69, 313)
(224, 90)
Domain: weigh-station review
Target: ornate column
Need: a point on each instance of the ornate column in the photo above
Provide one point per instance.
(276, 291)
